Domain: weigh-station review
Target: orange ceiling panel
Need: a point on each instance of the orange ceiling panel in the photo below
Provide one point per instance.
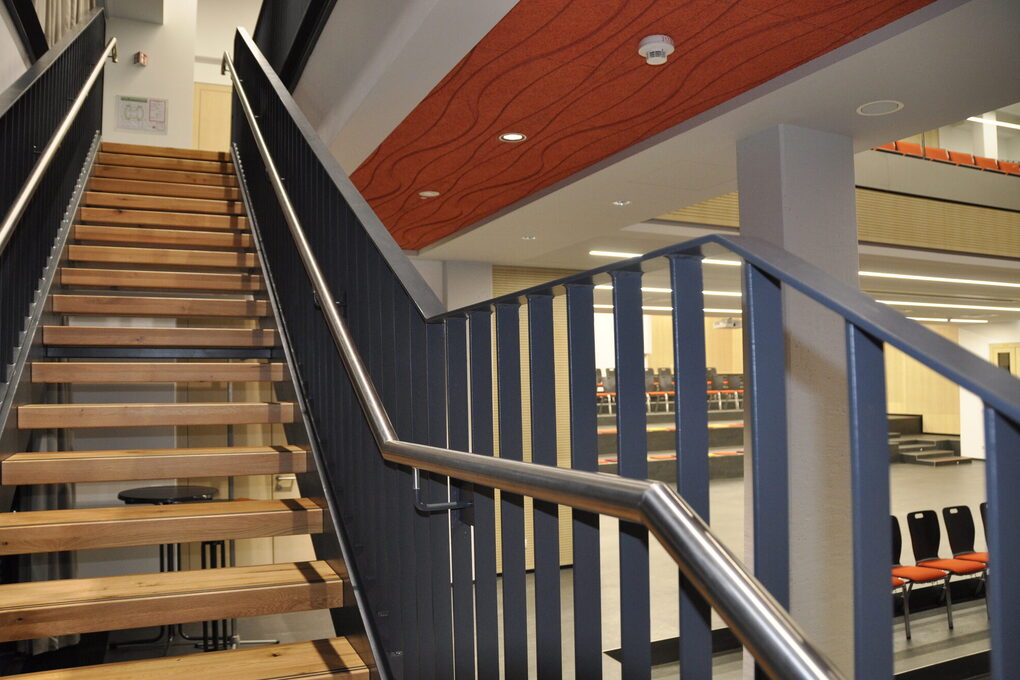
(567, 74)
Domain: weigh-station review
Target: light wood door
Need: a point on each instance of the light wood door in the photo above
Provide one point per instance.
(1006, 356)
(211, 128)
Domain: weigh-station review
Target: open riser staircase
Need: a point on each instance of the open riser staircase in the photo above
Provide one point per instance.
(161, 234)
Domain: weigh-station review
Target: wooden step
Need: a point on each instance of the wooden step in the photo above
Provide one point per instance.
(66, 467)
(163, 163)
(165, 152)
(174, 204)
(117, 527)
(131, 186)
(163, 219)
(126, 278)
(157, 371)
(171, 176)
(314, 660)
(45, 416)
(161, 256)
(161, 236)
(86, 605)
(157, 306)
(111, 336)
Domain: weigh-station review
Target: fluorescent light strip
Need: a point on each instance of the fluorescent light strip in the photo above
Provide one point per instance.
(723, 293)
(940, 279)
(968, 321)
(997, 123)
(908, 303)
(935, 319)
(652, 308)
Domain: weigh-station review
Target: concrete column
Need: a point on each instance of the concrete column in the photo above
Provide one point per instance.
(797, 191)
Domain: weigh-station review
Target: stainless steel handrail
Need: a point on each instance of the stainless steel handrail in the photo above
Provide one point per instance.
(761, 624)
(28, 190)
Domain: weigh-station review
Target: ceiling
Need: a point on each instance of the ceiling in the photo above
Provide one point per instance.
(566, 73)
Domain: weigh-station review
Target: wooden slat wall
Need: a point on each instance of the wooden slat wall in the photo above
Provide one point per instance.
(895, 219)
(915, 388)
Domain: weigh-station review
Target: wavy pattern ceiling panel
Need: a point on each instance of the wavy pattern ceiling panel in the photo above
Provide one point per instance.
(567, 74)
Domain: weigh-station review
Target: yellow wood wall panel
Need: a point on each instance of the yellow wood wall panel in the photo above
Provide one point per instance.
(916, 389)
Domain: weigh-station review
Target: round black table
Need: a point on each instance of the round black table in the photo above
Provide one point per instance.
(167, 495)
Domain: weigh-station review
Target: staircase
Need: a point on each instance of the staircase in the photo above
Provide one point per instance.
(162, 234)
(930, 450)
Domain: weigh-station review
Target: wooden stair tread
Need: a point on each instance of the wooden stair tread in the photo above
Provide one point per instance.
(162, 236)
(129, 525)
(46, 608)
(171, 176)
(126, 278)
(45, 416)
(56, 467)
(313, 660)
(163, 162)
(156, 371)
(168, 203)
(169, 257)
(112, 336)
(157, 306)
(163, 218)
(148, 188)
(165, 151)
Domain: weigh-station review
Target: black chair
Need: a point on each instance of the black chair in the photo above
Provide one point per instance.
(960, 530)
(926, 538)
(905, 577)
(984, 518)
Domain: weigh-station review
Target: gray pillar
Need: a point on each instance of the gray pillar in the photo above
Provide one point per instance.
(797, 191)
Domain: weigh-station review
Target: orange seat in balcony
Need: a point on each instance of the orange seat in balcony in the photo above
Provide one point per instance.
(910, 149)
(891, 146)
(1009, 167)
(987, 163)
(936, 154)
(960, 158)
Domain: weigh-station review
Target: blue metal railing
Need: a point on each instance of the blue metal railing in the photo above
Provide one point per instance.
(431, 588)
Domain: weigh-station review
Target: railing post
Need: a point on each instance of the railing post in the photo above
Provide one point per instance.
(542, 368)
(508, 386)
(486, 607)
(584, 456)
(691, 447)
(1002, 448)
(869, 460)
(632, 451)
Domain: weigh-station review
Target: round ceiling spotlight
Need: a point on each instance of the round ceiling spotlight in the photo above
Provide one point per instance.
(656, 49)
(529, 237)
(621, 204)
(880, 107)
(428, 194)
(512, 137)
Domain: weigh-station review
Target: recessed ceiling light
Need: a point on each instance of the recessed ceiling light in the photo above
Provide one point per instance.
(428, 194)
(529, 237)
(949, 306)
(726, 263)
(880, 107)
(621, 204)
(512, 137)
(999, 123)
(939, 279)
(968, 321)
(613, 253)
(936, 319)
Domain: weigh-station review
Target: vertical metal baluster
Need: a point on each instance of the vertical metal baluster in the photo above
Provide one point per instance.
(691, 447)
(542, 367)
(460, 520)
(584, 456)
(869, 444)
(1002, 448)
(632, 451)
(765, 400)
(508, 385)
(486, 605)
(436, 486)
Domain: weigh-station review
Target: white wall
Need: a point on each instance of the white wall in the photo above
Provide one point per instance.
(456, 283)
(169, 75)
(13, 60)
(977, 339)
(214, 34)
(605, 339)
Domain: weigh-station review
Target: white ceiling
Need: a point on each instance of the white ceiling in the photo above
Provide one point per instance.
(149, 11)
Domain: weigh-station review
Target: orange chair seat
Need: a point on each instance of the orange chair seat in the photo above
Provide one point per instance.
(974, 557)
(918, 574)
(897, 582)
(958, 567)
(1009, 167)
(936, 154)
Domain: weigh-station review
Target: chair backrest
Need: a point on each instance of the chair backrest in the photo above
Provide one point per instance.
(959, 528)
(936, 154)
(610, 381)
(897, 540)
(986, 163)
(961, 158)
(737, 381)
(909, 148)
(891, 146)
(666, 379)
(651, 385)
(925, 535)
(984, 517)
(1009, 167)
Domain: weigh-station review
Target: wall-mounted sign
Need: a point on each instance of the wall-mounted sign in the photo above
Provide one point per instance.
(141, 113)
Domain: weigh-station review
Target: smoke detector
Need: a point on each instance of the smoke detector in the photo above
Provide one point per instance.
(656, 49)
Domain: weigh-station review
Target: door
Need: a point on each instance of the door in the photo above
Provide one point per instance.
(1006, 356)
(211, 123)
